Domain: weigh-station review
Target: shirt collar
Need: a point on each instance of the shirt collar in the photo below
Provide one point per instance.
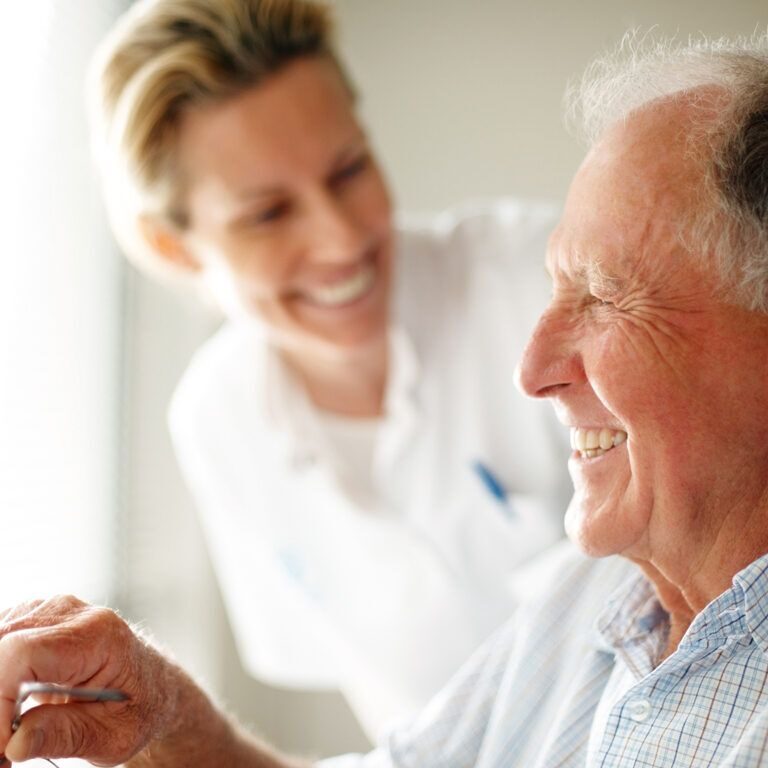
(404, 374)
(753, 581)
(634, 613)
(739, 611)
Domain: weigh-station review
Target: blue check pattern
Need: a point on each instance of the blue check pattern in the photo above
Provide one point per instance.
(573, 680)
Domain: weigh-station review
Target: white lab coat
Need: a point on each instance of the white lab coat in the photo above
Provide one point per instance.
(384, 598)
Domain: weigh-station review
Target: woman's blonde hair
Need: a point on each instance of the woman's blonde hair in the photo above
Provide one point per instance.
(165, 56)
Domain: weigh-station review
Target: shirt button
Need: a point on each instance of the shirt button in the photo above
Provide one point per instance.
(639, 709)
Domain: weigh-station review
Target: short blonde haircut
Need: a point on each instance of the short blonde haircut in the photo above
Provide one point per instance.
(164, 57)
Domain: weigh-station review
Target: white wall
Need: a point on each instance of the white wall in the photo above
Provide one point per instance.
(463, 99)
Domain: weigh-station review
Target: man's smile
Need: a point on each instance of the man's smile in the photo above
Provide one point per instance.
(590, 443)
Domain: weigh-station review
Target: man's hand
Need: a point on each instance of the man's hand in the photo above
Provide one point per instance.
(167, 721)
(66, 641)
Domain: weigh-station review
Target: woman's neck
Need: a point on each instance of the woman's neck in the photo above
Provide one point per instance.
(353, 386)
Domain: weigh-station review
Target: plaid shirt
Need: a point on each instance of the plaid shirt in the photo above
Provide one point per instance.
(556, 688)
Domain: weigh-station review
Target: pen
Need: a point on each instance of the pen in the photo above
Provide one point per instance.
(51, 689)
(492, 483)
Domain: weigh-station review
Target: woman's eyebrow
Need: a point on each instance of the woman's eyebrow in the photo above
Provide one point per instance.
(350, 148)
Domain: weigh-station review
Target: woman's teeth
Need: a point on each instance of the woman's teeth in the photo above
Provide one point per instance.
(344, 291)
(590, 443)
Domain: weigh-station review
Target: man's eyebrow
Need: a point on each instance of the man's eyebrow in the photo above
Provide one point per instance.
(602, 280)
(588, 271)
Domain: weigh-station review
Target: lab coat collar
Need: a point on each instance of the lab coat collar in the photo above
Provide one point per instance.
(291, 413)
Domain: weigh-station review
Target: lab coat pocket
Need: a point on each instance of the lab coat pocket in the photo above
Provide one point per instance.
(490, 531)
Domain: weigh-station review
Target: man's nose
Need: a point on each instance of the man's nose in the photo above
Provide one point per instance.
(551, 361)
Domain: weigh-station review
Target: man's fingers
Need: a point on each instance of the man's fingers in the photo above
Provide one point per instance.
(87, 647)
(75, 730)
(18, 611)
(15, 670)
(66, 642)
(40, 613)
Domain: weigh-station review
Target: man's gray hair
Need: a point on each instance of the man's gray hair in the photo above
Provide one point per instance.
(733, 226)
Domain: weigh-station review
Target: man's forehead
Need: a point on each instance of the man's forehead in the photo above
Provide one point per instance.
(622, 219)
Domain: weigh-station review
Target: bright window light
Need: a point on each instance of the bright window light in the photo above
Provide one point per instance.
(58, 313)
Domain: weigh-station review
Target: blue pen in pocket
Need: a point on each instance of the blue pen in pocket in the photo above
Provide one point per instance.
(493, 485)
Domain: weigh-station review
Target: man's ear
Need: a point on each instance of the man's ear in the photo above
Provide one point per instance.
(167, 242)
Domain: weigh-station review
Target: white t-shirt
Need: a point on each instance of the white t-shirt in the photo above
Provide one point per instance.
(353, 442)
(384, 594)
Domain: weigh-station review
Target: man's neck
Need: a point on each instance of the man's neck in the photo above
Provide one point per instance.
(685, 594)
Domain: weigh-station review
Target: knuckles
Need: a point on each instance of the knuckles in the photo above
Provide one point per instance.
(69, 639)
(67, 603)
(105, 620)
(40, 613)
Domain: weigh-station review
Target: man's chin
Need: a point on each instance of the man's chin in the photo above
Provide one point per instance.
(591, 532)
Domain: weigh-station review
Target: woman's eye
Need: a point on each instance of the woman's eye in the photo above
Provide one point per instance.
(269, 214)
(350, 170)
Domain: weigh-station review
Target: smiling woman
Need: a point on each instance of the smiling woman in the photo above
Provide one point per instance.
(260, 184)
(331, 430)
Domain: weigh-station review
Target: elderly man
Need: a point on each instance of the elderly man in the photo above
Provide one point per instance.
(654, 352)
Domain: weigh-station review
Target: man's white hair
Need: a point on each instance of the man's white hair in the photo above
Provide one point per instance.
(732, 227)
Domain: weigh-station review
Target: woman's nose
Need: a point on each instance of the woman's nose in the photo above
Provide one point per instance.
(335, 233)
(551, 361)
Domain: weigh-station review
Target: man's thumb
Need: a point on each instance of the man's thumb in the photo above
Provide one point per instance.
(25, 744)
(56, 730)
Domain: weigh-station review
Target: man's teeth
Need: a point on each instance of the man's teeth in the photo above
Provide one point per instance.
(344, 291)
(595, 442)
